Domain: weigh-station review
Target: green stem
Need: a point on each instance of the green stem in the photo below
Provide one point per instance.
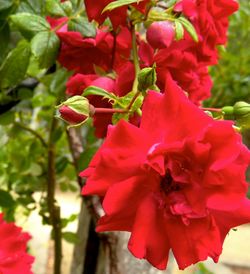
(53, 207)
(133, 100)
(135, 59)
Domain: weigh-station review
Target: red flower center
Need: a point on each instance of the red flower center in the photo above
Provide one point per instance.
(167, 184)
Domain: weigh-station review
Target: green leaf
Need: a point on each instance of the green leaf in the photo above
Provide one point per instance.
(70, 237)
(92, 90)
(7, 118)
(45, 46)
(189, 27)
(119, 3)
(179, 30)
(6, 199)
(83, 26)
(31, 6)
(55, 8)
(29, 24)
(67, 7)
(5, 4)
(5, 38)
(15, 65)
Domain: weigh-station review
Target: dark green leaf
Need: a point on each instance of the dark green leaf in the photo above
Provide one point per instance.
(29, 24)
(7, 118)
(6, 199)
(45, 46)
(119, 3)
(83, 26)
(70, 237)
(61, 164)
(5, 38)
(15, 65)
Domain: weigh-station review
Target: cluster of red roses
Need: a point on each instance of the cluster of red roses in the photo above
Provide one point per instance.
(13, 255)
(174, 177)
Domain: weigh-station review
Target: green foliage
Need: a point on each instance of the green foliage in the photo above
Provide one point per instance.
(45, 46)
(29, 24)
(82, 25)
(119, 3)
(15, 65)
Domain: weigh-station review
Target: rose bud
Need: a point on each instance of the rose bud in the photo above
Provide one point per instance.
(242, 114)
(76, 110)
(146, 79)
(160, 34)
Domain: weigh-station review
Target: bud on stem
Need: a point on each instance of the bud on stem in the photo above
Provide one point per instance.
(76, 110)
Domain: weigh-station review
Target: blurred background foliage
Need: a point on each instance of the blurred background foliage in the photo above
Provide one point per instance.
(30, 91)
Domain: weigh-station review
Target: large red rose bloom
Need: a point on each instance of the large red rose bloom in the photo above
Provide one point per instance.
(13, 254)
(176, 182)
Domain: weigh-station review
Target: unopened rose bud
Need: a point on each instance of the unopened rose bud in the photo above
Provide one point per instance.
(241, 108)
(242, 114)
(70, 116)
(146, 79)
(160, 34)
(75, 110)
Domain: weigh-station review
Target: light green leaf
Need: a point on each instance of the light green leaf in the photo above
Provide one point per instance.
(189, 27)
(92, 90)
(5, 4)
(45, 46)
(29, 24)
(179, 30)
(83, 26)
(55, 8)
(119, 3)
(15, 65)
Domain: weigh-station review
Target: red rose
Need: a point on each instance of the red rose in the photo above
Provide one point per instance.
(117, 16)
(13, 255)
(176, 182)
(192, 76)
(210, 19)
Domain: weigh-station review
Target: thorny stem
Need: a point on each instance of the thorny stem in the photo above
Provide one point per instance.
(54, 209)
(133, 100)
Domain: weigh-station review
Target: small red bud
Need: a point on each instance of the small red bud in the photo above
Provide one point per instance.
(160, 34)
(71, 116)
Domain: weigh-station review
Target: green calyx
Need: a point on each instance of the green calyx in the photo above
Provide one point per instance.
(78, 104)
(147, 79)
